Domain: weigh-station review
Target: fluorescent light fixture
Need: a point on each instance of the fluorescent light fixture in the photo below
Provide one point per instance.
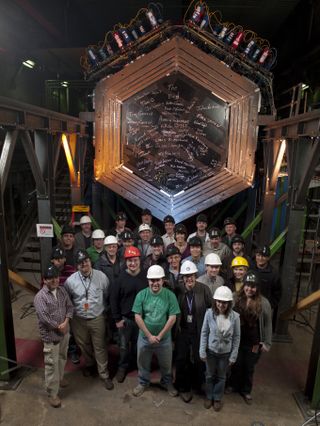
(179, 193)
(29, 63)
(126, 169)
(165, 193)
(304, 86)
(64, 84)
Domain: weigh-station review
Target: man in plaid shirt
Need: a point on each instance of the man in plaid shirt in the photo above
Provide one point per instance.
(54, 310)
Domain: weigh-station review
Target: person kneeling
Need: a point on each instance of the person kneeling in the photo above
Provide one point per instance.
(219, 344)
(155, 310)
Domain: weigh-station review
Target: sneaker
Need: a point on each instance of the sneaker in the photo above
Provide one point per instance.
(55, 401)
(121, 375)
(217, 405)
(247, 398)
(108, 384)
(138, 390)
(75, 359)
(207, 403)
(64, 383)
(172, 391)
(186, 396)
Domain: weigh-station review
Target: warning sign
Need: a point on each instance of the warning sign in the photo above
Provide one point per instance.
(44, 230)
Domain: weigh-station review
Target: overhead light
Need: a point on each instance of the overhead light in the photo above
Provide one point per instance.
(64, 84)
(179, 193)
(127, 169)
(165, 193)
(304, 86)
(29, 63)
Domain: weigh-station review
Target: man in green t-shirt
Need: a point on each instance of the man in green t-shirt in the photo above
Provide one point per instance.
(155, 311)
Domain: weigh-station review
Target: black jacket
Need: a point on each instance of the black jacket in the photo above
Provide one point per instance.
(270, 286)
(202, 301)
(112, 270)
(123, 292)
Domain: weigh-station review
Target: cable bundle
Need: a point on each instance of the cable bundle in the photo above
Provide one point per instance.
(121, 37)
(247, 42)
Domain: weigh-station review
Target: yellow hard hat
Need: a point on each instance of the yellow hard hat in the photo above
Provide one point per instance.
(239, 261)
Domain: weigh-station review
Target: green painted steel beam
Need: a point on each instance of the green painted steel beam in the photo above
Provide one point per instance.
(56, 228)
(278, 242)
(245, 234)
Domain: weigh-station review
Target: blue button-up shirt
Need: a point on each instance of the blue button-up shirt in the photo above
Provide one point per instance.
(89, 295)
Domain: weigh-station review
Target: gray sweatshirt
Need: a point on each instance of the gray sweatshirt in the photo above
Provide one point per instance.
(217, 341)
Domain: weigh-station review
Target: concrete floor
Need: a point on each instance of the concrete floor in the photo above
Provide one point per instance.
(279, 374)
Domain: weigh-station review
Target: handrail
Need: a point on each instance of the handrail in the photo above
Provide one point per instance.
(245, 234)
(278, 242)
(17, 279)
(303, 304)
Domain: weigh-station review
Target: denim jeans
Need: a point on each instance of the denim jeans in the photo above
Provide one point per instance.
(128, 336)
(216, 370)
(163, 352)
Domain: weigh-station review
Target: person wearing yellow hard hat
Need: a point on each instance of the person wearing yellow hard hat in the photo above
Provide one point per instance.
(239, 266)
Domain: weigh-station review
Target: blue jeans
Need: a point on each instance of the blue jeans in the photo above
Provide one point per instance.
(163, 352)
(216, 370)
(128, 336)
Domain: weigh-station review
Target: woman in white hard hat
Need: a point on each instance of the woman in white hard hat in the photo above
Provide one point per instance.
(219, 344)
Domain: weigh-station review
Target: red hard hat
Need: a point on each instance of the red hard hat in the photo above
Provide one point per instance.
(131, 252)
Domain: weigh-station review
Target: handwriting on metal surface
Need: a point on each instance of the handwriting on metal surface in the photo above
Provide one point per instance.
(175, 133)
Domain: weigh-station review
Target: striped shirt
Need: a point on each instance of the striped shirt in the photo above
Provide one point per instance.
(51, 312)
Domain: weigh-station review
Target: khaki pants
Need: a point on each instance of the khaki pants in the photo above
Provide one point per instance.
(91, 337)
(55, 358)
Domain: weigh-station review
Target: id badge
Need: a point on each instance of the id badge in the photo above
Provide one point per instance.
(86, 306)
(189, 318)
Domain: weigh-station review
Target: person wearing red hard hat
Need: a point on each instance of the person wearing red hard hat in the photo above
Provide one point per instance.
(122, 294)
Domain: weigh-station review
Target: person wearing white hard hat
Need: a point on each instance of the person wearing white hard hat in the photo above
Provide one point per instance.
(155, 309)
(83, 237)
(96, 249)
(194, 299)
(109, 261)
(212, 278)
(145, 234)
(219, 344)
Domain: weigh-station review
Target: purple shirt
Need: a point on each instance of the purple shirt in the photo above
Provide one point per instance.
(52, 311)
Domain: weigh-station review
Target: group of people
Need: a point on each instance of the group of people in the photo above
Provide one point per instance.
(145, 291)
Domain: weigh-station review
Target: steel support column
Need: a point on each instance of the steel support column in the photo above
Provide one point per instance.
(303, 155)
(7, 340)
(271, 152)
(6, 156)
(43, 149)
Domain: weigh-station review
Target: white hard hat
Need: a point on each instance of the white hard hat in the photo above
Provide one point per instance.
(144, 227)
(223, 293)
(188, 267)
(110, 239)
(85, 219)
(155, 271)
(212, 259)
(97, 234)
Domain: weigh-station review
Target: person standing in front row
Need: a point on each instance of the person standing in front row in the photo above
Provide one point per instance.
(155, 311)
(194, 299)
(256, 334)
(54, 310)
(88, 290)
(122, 294)
(219, 344)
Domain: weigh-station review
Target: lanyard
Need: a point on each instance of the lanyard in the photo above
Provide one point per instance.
(86, 288)
(189, 303)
